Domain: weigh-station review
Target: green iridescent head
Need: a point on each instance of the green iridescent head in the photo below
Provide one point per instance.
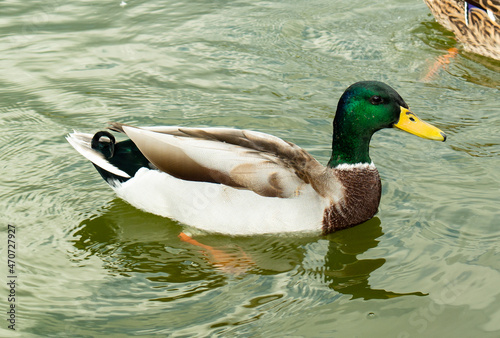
(364, 108)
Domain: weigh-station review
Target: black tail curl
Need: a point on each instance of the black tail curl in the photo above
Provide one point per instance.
(107, 148)
(123, 155)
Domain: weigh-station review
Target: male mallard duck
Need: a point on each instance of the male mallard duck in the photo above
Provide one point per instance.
(244, 182)
(476, 24)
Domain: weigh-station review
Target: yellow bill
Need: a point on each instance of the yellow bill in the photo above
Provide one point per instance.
(410, 123)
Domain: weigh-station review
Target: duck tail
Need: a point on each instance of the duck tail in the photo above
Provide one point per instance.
(99, 149)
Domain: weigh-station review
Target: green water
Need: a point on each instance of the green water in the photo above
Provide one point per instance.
(88, 264)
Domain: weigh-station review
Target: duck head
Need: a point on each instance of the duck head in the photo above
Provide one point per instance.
(364, 108)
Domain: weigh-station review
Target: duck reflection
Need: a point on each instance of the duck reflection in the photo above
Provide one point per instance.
(472, 67)
(131, 242)
(347, 274)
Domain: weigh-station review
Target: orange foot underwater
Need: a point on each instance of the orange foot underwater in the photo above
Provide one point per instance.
(441, 62)
(231, 263)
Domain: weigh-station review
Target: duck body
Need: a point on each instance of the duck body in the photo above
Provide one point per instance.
(476, 24)
(243, 182)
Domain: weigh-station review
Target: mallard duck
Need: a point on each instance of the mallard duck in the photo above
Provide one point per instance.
(243, 182)
(476, 24)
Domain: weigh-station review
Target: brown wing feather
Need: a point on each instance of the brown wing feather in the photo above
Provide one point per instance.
(289, 155)
(260, 162)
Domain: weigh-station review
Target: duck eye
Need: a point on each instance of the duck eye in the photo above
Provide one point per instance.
(375, 99)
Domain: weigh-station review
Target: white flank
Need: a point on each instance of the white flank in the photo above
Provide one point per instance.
(219, 208)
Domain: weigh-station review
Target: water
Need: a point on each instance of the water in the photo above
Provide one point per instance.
(89, 264)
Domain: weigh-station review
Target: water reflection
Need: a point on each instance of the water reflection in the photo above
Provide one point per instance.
(470, 67)
(347, 274)
(135, 244)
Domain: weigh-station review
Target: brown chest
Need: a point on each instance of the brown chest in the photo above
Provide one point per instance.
(360, 201)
